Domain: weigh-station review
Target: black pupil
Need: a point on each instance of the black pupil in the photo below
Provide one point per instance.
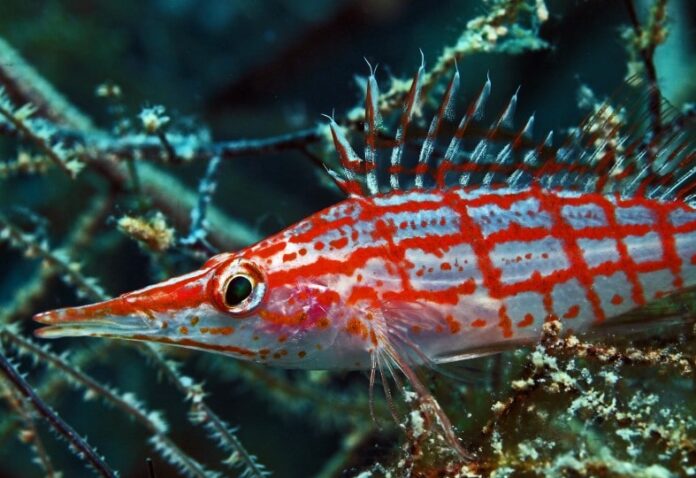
(238, 289)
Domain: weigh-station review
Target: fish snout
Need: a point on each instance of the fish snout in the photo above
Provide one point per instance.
(114, 317)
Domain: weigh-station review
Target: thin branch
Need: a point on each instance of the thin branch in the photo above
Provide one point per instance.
(40, 134)
(647, 53)
(150, 147)
(199, 226)
(128, 403)
(84, 450)
(25, 85)
(30, 434)
(203, 414)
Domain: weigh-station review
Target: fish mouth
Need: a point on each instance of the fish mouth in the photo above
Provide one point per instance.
(96, 320)
(94, 328)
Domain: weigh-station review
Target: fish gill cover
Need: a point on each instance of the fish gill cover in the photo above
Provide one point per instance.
(139, 139)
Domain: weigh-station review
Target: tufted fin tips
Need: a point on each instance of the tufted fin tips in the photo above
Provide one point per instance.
(613, 150)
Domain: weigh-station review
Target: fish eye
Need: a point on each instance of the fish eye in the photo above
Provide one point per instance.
(239, 287)
(237, 290)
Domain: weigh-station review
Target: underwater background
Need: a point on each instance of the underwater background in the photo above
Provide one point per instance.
(95, 201)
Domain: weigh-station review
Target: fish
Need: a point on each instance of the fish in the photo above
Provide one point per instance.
(439, 253)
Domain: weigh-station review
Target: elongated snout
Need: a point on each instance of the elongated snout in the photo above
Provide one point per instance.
(137, 313)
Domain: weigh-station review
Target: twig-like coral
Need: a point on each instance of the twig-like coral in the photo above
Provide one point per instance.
(30, 432)
(82, 449)
(40, 133)
(127, 403)
(642, 43)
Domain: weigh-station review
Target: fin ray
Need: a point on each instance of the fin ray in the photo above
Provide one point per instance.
(611, 151)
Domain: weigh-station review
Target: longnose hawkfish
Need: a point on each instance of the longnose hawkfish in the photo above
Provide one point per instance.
(439, 253)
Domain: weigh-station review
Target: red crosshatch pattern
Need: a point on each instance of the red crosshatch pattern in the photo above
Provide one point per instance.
(370, 230)
(464, 245)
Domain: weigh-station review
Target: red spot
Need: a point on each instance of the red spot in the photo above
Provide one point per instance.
(354, 235)
(357, 328)
(292, 320)
(270, 250)
(323, 323)
(445, 266)
(289, 257)
(478, 323)
(327, 297)
(617, 299)
(318, 245)
(572, 312)
(504, 322)
(383, 230)
(221, 330)
(693, 259)
(528, 255)
(362, 292)
(416, 329)
(526, 321)
(544, 255)
(301, 354)
(454, 325)
(183, 330)
(303, 251)
(339, 243)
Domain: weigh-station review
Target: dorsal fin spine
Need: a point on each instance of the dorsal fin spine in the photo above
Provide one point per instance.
(429, 143)
(507, 116)
(608, 153)
(372, 120)
(410, 106)
(349, 159)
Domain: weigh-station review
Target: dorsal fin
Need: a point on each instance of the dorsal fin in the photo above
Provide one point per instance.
(613, 150)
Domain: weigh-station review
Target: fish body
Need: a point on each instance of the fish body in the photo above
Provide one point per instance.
(462, 251)
(454, 271)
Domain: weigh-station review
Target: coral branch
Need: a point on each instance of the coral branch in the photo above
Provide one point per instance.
(203, 414)
(25, 85)
(198, 230)
(41, 134)
(83, 450)
(30, 433)
(127, 403)
(645, 41)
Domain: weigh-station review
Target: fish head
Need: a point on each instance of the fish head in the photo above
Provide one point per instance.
(233, 304)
